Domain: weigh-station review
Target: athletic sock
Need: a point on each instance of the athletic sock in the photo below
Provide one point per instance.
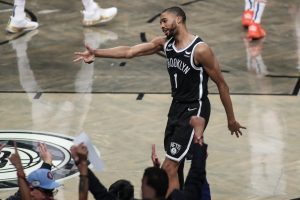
(19, 7)
(89, 5)
(249, 4)
(258, 11)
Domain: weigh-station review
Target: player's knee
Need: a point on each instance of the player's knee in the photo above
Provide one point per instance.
(170, 167)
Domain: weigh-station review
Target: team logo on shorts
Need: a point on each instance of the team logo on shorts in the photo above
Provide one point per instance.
(175, 148)
(27, 143)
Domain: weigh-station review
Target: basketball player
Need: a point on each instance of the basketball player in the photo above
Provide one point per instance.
(190, 62)
(251, 18)
(92, 15)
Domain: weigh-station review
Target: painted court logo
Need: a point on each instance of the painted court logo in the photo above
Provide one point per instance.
(27, 143)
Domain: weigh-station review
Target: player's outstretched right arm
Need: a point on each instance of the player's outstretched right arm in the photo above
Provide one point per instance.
(142, 49)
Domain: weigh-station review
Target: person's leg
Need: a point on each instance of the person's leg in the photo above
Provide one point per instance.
(259, 10)
(180, 173)
(255, 31)
(18, 21)
(248, 13)
(171, 167)
(249, 4)
(19, 9)
(93, 14)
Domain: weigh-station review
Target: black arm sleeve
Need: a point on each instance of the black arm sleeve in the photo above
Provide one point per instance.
(16, 196)
(197, 174)
(98, 190)
(46, 166)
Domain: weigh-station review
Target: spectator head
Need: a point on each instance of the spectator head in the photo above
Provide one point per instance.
(42, 183)
(155, 183)
(122, 189)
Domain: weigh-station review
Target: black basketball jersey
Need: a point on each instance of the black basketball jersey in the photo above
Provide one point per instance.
(188, 80)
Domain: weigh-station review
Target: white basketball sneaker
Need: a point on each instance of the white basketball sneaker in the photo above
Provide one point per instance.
(16, 26)
(98, 16)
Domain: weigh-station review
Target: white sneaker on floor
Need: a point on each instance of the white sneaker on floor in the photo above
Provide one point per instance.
(98, 16)
(16, 26)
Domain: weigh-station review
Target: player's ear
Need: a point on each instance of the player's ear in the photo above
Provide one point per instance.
(178, 19)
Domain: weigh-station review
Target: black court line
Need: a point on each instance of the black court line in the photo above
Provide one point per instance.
(153, 18)
(190, 2)
(297, 88)
(137, 93)
(140, 96)
(281, 76)
(15, 36)
(37, 95)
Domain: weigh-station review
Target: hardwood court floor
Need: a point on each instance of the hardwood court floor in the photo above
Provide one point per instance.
(122, 104)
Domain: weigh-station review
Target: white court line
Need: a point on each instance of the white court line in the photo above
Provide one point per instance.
(48, 11)
(6, 10)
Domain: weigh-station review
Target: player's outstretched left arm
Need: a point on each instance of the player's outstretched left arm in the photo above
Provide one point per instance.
(205, 56)
(142, 49)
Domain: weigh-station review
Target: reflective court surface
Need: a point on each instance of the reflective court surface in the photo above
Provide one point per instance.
(123, 104)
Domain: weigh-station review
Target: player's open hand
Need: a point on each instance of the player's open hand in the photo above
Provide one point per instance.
(235, 128)
(88, 56)
(82, 152)
(15, 158)
(44, 153)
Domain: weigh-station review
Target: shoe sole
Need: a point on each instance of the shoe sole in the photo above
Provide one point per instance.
(255, 35)
(96, 22)
(12, 29)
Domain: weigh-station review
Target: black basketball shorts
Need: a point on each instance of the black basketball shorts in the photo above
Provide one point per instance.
(179, 133)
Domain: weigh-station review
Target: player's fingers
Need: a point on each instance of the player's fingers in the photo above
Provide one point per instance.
(42, 146)
(78, 53)
(201, 141)
(78, 59)
(153, 149)
(240, 132)
(88, 61)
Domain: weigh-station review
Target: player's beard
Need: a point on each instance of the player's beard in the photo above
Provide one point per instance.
(172, 30)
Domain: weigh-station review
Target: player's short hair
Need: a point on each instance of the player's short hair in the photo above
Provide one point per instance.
(177, 11)
(122, 189)
(157, 179)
